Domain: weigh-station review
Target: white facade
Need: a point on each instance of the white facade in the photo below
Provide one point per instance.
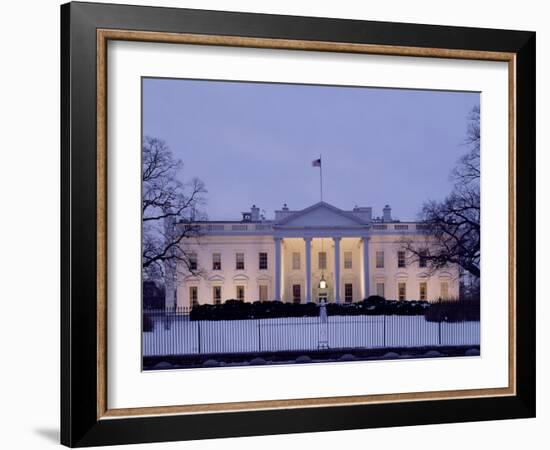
(286, 259)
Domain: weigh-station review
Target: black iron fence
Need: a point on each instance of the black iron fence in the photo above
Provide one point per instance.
(171, 332)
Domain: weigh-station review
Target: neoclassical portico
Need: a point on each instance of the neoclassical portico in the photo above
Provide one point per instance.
(332, 275)
(329, 226)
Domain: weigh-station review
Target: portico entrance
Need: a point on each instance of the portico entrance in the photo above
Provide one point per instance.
(317, 244)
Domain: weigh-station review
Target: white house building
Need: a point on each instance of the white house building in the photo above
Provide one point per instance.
(317, 253)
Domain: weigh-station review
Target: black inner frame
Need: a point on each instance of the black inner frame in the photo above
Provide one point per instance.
(79, 424)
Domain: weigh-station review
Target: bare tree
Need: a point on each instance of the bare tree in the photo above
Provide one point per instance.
(452, 226)
(170, 209)
(467, 171)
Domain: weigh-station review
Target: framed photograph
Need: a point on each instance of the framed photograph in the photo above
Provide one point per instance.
(277, 224)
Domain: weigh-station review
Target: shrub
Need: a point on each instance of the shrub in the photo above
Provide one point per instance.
(153, 295)
(239, 310)
(375, 305)
(148, 324)
(453, 311)
(375, 299)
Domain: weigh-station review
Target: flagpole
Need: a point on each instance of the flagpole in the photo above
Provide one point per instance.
(321, 172)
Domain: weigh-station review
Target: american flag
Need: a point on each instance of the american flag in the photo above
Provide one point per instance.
(316, 162)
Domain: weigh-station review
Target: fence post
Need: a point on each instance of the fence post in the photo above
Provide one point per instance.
(199, 335)
(322, 327)
(259, 337)
(384, 329)
(439, 322)
(167, 318)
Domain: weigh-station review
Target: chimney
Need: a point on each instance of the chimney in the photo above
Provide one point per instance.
(254, 213)
(363, 212)
(387, 214)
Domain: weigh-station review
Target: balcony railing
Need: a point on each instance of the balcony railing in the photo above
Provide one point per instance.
(235, 228)
(401, 227)
(267, 227)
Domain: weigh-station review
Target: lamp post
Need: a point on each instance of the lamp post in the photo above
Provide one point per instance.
(322, 282)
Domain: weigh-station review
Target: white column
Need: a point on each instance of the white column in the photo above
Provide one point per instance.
(278, 277)
(308, 269)
(336, 269)
(366, 279)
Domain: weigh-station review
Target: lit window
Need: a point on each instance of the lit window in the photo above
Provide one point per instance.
(194, 295)
(239, 261)
(296, 293)
(401, 258)
(263, 260)
(263, 292)
(422, 258)
(423, 291)
(216, 261)
(401, 291)
(240, 293)
(380, 290)
(192, 260)
(348, 292)
(217, 294)
(380, 260)
(444, 290)
(296, 261)
(347, 260)
(322, 260)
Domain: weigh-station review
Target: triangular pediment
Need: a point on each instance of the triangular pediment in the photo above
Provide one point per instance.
(321, 215)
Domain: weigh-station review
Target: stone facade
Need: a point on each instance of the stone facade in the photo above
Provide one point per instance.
(289, 257)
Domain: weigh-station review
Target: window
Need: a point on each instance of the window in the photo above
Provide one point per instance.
(322, 260)
(380, 260)
(347, 260)
(217, 294)
(401, 291)
(239, 261)
(263, 260)
(240, 293)
(401, 258)
(422, 258)
(263, 292)
(348, 292)
(216, 261)
(194, 295)
(423, 291)
(296, 261)
(380, 290)
(192, 257)
(296, 293)
(444, 290)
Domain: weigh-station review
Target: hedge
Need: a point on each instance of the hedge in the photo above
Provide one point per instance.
(453, 311)
(148, 324)
(240, 310)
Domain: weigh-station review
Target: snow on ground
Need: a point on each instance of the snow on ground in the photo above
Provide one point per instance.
(180, 336)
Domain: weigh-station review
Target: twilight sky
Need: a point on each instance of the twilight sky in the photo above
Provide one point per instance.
(253, 143)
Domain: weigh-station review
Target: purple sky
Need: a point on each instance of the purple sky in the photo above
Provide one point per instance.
(253, 143)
